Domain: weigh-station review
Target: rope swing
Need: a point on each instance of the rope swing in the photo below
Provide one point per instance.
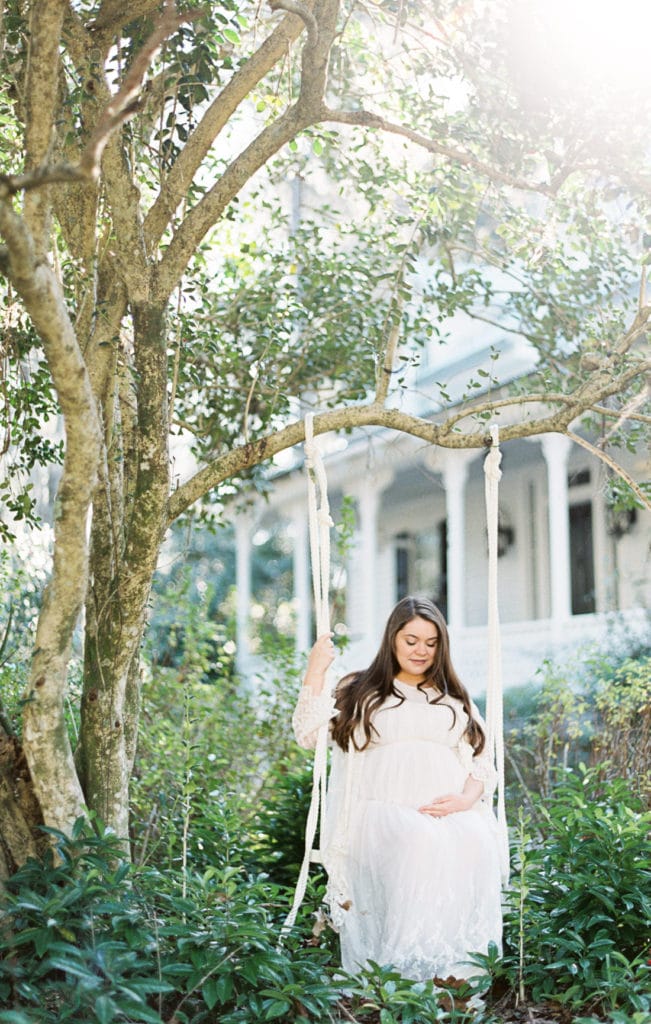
(320, 523)
(494, 703)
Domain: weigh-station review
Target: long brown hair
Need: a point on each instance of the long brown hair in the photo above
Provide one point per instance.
(360, 694)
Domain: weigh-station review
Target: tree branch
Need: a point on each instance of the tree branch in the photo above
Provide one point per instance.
(126, 103)
(238, 460)
(211, 124)
(611, 383)
(112, 15)
(396, 306)
(242, 458)
(627, 413)
(519, 332)
(367, 119)
(306, 111)
(122, 192)
(303, 12)
(119, 109)
(599, 453)
(45, 25)
(45, 737)
(637, 328)
(555, 398)
(202, 217)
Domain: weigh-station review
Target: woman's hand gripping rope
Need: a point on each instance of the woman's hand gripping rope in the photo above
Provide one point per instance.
(321, 656)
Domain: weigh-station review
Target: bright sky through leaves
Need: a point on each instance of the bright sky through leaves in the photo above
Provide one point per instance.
(593, 48)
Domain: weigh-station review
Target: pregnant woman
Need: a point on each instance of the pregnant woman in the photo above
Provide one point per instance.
(410, 843)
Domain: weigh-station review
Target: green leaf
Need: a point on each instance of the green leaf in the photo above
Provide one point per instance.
(42, 940)
(210, 992)
(105, 1009)
(277, 1008)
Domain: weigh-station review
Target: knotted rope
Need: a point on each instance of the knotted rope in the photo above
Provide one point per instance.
(320, 523)
(494, 704)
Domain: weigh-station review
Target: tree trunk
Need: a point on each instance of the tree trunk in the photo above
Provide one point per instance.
(129, 520)
(20, 814)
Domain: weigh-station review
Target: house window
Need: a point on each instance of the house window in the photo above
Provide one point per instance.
(421, 565)
(582, 559)
(578, 478)
(404, 543)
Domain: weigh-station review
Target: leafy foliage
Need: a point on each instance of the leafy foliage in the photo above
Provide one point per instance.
(278, 826)
(20, 582)
(208, 741)
(581, 900)
(310, 315)
(622, 741)
(191, 933)
(28, 404)
(590, 707)
(86, 939)
(182, 285)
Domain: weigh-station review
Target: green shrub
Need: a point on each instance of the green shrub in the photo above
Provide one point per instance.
(381, 993)
(556, 733)
(86, 939)
(622, 742)
(579, 922)
(591, 707)
(278, 829)
(89, 940)
(74, 944)
(207, 740)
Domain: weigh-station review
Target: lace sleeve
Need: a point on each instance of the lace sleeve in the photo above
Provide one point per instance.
(484, 771)
(311, 712)
(479, 766)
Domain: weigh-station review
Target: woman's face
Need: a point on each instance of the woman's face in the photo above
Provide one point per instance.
(415, 650)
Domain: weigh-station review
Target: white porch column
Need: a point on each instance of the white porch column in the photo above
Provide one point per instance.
(363, 623)
(302, 580)
(455, 474)
(243, 527)
(556, 450)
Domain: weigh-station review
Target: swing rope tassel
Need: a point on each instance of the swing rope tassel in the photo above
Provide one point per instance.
(494, 704)
(320, 523)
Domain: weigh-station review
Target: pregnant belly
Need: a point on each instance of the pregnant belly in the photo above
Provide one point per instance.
(410, 773)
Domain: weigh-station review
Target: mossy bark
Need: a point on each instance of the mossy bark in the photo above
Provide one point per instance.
(130, 513)
(20, 813)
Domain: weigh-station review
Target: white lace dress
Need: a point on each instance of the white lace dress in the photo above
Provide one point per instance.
(405, 889)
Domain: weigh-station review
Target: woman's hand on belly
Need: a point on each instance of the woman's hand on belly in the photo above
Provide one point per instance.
(451, 803)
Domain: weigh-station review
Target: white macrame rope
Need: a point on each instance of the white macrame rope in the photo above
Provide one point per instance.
(320, 523)
(494, 704)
